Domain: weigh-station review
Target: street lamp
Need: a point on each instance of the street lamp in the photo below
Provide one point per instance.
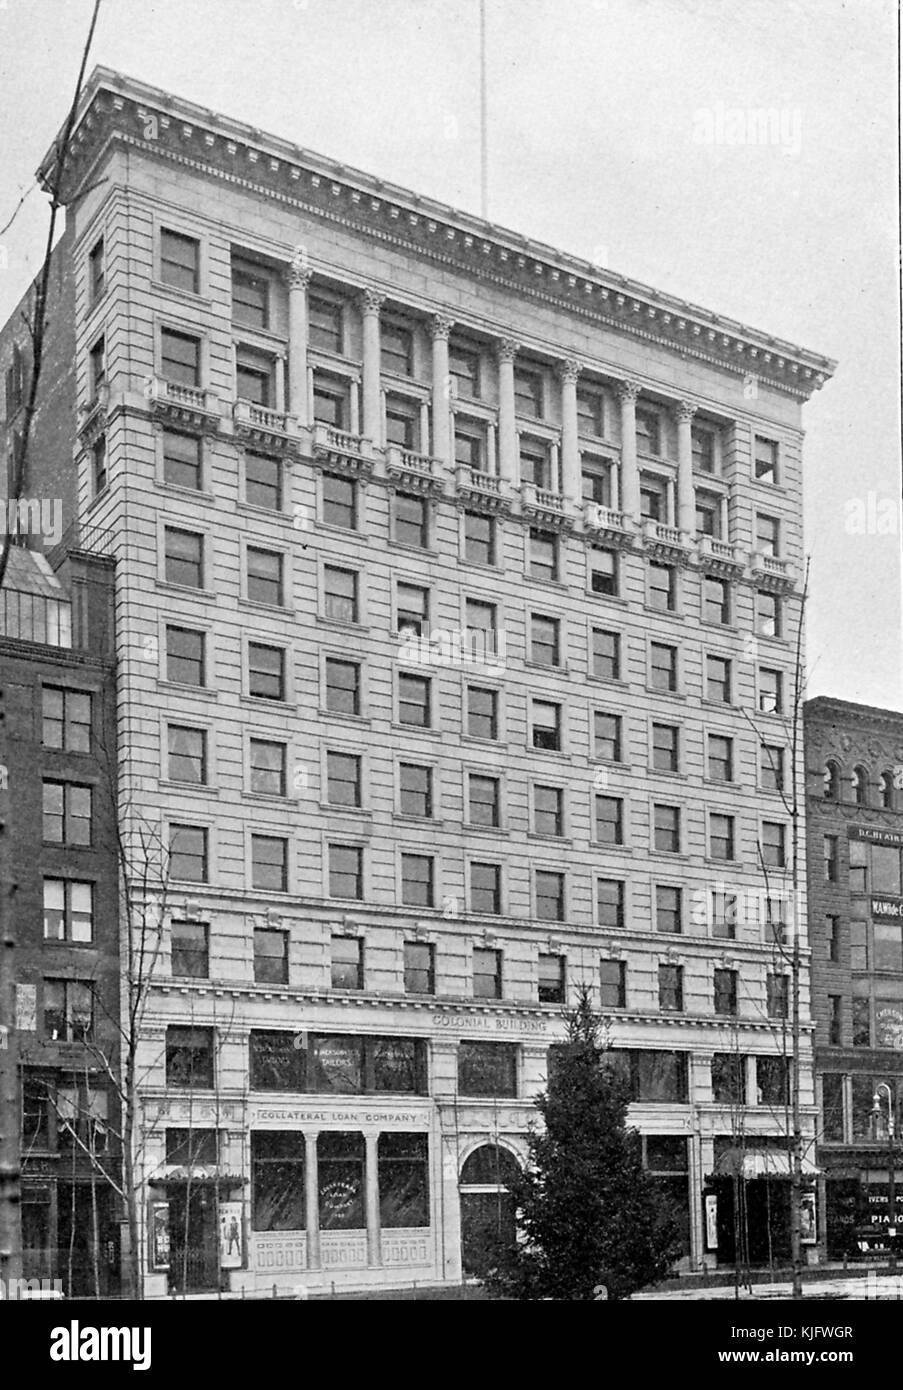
(882, 1089)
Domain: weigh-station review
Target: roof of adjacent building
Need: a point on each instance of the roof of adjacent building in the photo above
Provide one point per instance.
(827, 707)
(116, 107)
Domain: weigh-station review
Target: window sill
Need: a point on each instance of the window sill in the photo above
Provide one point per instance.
(547, 667)
(196, 494)
(273, 609)
(333, 528)
(499, 831)
(359, 629)
(264, 702)
(538, 837)
(186, 591)
(406, 548)
(359, 812)
(180, 689)
(270, 514)
(192, 297)
(204, 788)
(676, 614)
(355, 720)
(616, 599)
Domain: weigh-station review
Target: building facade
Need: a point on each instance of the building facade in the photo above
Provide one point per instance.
(59, 699)
(854, 770)
(457, 589)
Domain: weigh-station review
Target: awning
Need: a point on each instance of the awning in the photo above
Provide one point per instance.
(761, 1163)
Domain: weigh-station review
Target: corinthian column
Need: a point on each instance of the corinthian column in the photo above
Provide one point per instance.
(686, 495)
(299, 277)
(371, 301)
(440, 327)
(630, 475)
(506, 351)
(571, 482)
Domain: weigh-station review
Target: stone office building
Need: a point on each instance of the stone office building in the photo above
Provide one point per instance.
(450, 573)
(854, 768)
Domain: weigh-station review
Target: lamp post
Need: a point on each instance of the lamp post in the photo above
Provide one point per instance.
(883, 1090)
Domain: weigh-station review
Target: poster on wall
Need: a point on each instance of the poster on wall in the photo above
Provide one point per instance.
(159, 1235)
(231, 1243)
(808, 1234)
(711, 1221)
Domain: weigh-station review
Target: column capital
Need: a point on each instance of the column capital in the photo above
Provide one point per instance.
(568, 370)
(299, 272)
(628, 390)
(685, 410)
(506, 349)
(371, 301)
(441, 326)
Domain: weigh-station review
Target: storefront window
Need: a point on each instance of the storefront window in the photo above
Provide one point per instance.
(277, 1061)
(773, 1080)
(277, 1180)
(340, 1165)
(404, 1196)
(487, 1069)
(728, 1078)
(888, 1020)
(832, 1106)
(886, 869)
(867, 1122)
(337, 1064)
(666, 1159)
(394, 1064)
(660, 1076)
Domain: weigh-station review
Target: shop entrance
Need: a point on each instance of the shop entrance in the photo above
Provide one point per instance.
(487, 1208)
(753, 1220)
(194, 1256)
(85, 1241)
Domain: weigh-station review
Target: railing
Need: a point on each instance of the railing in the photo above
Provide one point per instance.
(408, 461)
(770, 564)
(720, 550)
(603, 518)
(81, 535)
(479, 481)
(658, 531)
(35, 618)
(260, 417)
(541, 498)
(340, 441)
(194, 397)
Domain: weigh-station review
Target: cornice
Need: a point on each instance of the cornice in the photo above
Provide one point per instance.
(116, 108)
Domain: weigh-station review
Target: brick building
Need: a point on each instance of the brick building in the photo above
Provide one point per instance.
(450, 574)
(57, 682)
(854, 771)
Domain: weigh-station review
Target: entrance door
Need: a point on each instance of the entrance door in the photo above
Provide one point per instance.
(762, 1224)
(194, 1258)
(487, 1208)
(84, 1230)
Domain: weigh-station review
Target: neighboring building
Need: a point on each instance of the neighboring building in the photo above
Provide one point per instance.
(59, 699)
(451, 571)
(854, 772)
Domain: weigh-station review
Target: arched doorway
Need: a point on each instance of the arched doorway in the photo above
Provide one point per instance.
(487, 1208)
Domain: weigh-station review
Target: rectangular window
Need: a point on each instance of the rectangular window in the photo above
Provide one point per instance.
(595, 481)
(277, 1062)
(99, 463)
(603, 572)
(548, 810)
(269, 863)
(663, 667)
(721, 758)
(330, 402)
(703, 449)
(182, 460)
(187, 754)
(412, 605)
(487, 1069)
(487, 973)
(402, 423)
(772, 767)
(606, 654)
(718, 679)
(414, 703)
(325, 324)
(340, 594)
(250, 298)
(771, 691)
(270, 956)
(403, 1180)
(545, 640)
(528, 394)
(185, 663)
(729, 1078)
(480, 617)
(767, 534)
(832, 871)
(180, 357)
(662, 587)
(415, 790)
(609, 820)
(768, 614)
(343, 779)
(340, 501)
(96, 271)
(671, 988)
(862, 1022)
(665, 748)
(343, 686)
(549, 896)
(483, 800)
(546, 725)
(486, 888)
(766, 460)
(648, 433)
(347, 957)
(266, 672)
(190, 950)
(254, 378)
(721, 836)
(67, 814)
(543, 554)
(265, 577)
(417, 880)
(397, 347)
(184, 557)
(482, 713)
(278, 1200)
(716, 600)
(888, 946)
(726, 992)
(777, 995)
(835, 1019)
(590, 413)
(97, 367)
(724, 915)
(479, 538)
(708, 515)
(188, 853)
(832, 1106)
(66, 719)
(69, 1011)
(832, 938)
(668, 909)
(607, 736)
(419, 968)
(189, 1057)
(267, 766)
(610, 902)
(470, 445)
(551, 979)
(613, 984)
(346, 871)
(666, 833)
(180, 261)
(774, 851)
(410, 518)
(68, 910)
(263, 481)
(464, 368)
(773, 1081)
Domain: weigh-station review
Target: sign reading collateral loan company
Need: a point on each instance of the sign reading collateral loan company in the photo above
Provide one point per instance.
(877, 835)
(887, 907)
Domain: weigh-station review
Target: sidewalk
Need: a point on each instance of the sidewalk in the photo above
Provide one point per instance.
(868, 1287)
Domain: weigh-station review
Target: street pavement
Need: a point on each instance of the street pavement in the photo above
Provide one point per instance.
(870, 1287)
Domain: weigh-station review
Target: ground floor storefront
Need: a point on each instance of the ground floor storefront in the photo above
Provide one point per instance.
(860, 1222)
(71, 1233)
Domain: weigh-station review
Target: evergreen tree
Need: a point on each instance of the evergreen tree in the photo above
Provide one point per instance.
(588, 1213)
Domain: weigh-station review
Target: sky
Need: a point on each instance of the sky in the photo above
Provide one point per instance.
(598, 113)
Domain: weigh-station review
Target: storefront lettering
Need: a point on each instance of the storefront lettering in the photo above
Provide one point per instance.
(356, 1117)
(463, 1023)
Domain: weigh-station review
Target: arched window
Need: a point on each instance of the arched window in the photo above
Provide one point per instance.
(489, 1166)
(831, 782)
(860, 786)
(887, 790)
